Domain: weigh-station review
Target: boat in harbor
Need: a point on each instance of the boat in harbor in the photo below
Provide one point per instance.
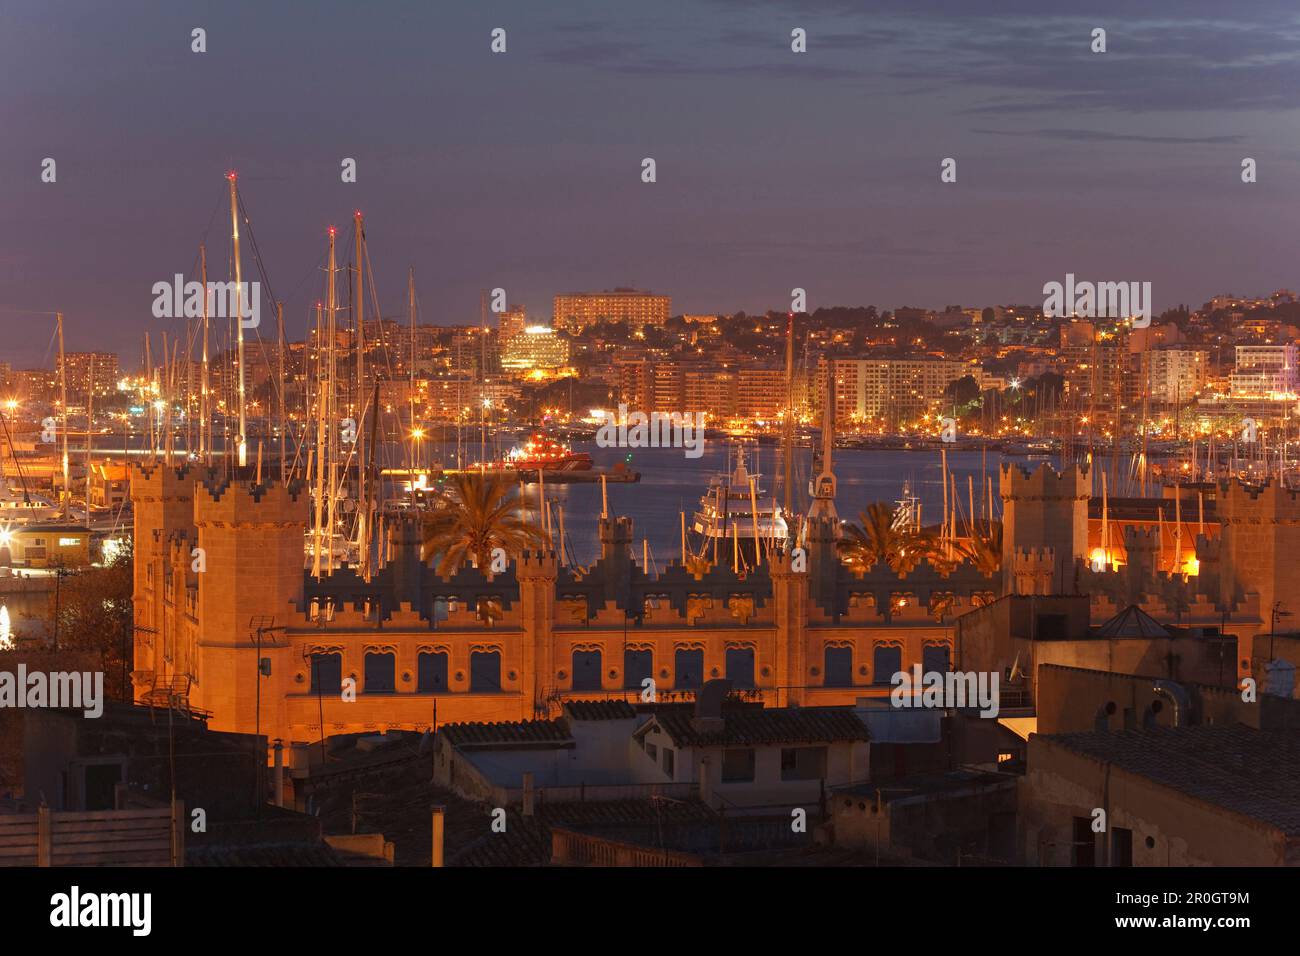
(732, 509)
(543, 453)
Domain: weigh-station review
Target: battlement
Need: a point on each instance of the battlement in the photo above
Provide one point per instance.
(156, 481)
(1237, 501)
(1141, 539)
(532, 565)
(1018, 481)
(224, 501)
(1031, 557)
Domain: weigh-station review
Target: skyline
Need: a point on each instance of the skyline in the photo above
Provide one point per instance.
(483, 170)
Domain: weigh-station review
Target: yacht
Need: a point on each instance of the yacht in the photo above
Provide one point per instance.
(727, 510)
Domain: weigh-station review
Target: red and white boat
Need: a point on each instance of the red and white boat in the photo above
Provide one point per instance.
(541, 453)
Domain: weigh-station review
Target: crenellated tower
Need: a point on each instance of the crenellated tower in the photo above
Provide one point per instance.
(1045, 510)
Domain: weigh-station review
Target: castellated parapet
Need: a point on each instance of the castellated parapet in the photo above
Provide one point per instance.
(1045, 508)
(1260, 544)
(1032, 571)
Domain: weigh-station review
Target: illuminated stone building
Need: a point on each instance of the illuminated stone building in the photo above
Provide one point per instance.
(488, 648)
(516, 645)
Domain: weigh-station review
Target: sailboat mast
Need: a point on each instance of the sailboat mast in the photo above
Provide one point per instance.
(63, 404)
(360, 319)
(284, 431)
(205, 412)
(331, 398)
(320, 448)
(90, 428)
(787, 483)
(410, 310)
(242, 443)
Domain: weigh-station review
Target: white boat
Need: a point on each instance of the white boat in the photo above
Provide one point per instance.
(727, 511)
(17, 508)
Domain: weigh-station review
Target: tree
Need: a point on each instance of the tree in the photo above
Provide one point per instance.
(478, 513)
(963, 391)
(94, 615)
(876, 539)
(984, 548)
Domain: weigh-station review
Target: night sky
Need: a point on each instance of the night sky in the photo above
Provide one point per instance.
(522, 170)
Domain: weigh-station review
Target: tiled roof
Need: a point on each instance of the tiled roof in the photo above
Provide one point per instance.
(527, 840)
(768, 725)
(1255, 773)
(553, 732)
(263, 854)
(599, 709)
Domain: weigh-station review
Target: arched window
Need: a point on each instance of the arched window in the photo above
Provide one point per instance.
(586, 670)
(740, 667)
(839, 667)
(327, 673)
(381, 672)
(934, 657)
(688, 669)
(431, 672)
(637, 666)
(887, 660)
(485, 671)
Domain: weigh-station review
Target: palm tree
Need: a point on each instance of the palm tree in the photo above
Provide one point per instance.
(876, 539)
(984, 549)
(477, 514)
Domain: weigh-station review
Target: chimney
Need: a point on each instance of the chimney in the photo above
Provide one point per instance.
(279, 772)
(439, 813)
(1176, 695)
(708, 717)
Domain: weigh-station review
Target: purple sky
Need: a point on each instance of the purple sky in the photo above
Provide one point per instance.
(522, 170)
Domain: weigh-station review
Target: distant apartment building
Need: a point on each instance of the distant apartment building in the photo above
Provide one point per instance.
(889, 390)
(85, 368)
(668, 381)
(1098, 366)
(511, 324)
(537, 347)
(760, 393)
(39, 385)
(634, 384)
(1264, 370)
(710, 390)
(1177, 375)
(573, 312)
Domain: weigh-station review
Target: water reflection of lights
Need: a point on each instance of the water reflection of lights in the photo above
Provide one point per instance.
(6, 631)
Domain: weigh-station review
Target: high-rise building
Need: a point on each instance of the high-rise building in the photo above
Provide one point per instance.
(634, 384)
(668, 385)
(575, 311)
(709, 390)
(761, 393)
(83, 368)
(1264, 371)
(1177, 375)
(889, 391)
(511, 324)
